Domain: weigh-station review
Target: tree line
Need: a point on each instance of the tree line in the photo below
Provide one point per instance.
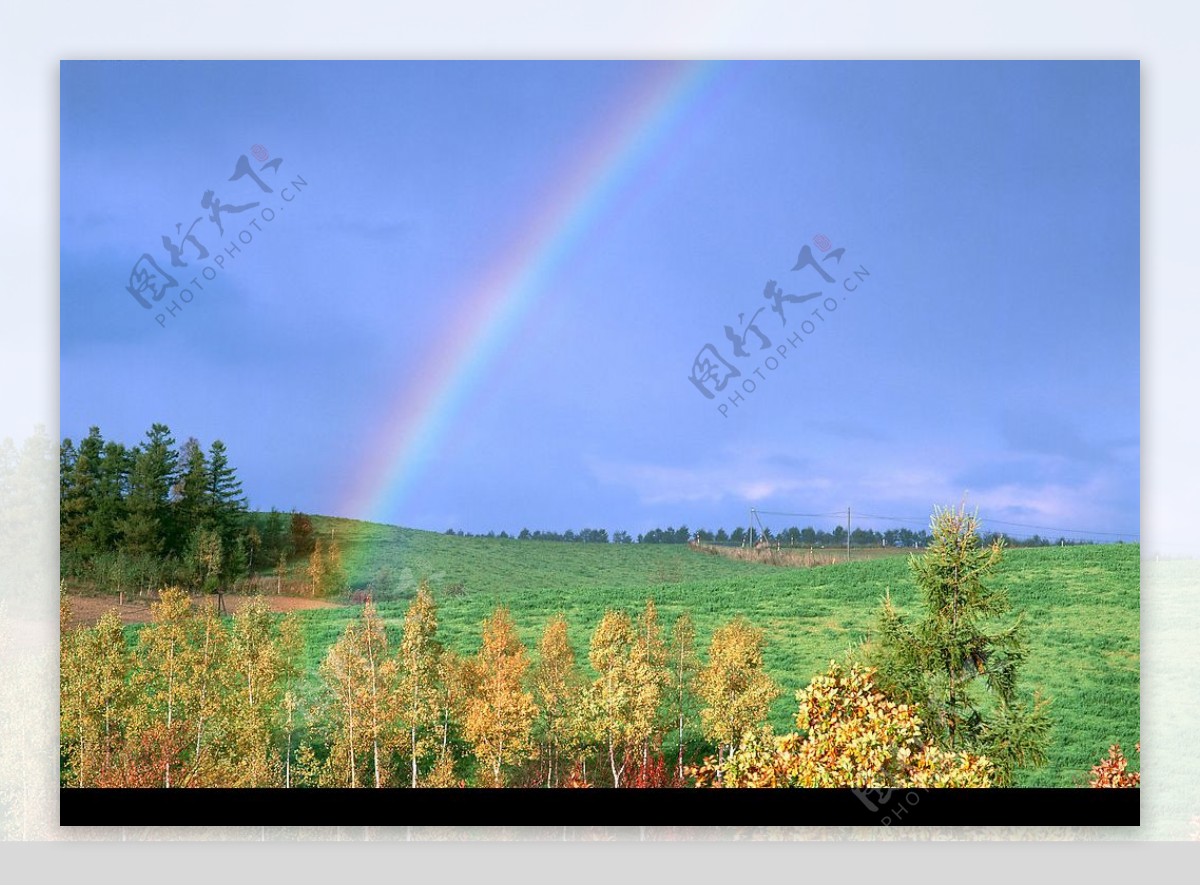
(155, 514)
(791, 536)
(204, 700)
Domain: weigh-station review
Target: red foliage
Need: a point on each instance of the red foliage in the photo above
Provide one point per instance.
(143, 761)
(576, 778)
(649, 770)
(1112, 771)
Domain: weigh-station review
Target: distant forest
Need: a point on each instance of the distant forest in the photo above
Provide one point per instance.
(793, 536)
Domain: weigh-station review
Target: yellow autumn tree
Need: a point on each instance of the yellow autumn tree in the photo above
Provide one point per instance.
(318, 569)
(417, 685)
(206, 689)
(557, 686)
(449, 703)
(93, 699)
(734, 686)
(164, 664)
(257, 661)
(359, 677)
(291, 647)
(625, 695)
(682, 665)
(499, 712)
(850, 735)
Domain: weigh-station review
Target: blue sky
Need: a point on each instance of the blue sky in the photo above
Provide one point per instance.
(992, 353)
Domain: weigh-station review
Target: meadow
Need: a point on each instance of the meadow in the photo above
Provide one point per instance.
(1080, 604)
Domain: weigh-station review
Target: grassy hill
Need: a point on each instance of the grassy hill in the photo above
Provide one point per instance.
(1081, 605)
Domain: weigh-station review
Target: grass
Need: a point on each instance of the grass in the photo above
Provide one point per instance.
(1081, 609)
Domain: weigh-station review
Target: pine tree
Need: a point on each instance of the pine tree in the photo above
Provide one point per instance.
(147, 527)
(80, 492)
(193, 499)
(109, 507)
(956, 663)
(225, 494)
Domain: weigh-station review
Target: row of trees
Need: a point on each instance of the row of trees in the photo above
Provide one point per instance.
(151, 512)
(201, 700)
(155, 514)
(585, 535)
(792, 536)
(740, 535)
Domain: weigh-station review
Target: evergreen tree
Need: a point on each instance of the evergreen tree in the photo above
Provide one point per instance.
(193, 499)
(80, 492)
(957, 663)
(225, 494)
(109, 506)
(147, 524)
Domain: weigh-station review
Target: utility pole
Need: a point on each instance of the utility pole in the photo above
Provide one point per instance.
(847, 533)
(752, 529)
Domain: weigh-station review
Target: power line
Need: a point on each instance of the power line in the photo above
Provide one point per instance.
(922, 521)
(1053, 529)
(787, 514)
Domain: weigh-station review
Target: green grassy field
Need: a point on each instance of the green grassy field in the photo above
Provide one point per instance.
(1081, 605)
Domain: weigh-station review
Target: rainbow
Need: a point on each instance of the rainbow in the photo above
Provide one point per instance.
(494, 306)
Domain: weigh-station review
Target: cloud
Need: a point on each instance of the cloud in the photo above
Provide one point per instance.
(750, 479)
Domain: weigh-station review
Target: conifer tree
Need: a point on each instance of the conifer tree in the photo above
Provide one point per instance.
(193, 501)
(147, 526)
(225, 494)
(957, 662)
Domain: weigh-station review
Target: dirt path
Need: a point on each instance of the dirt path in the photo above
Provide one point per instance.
(87, 610)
